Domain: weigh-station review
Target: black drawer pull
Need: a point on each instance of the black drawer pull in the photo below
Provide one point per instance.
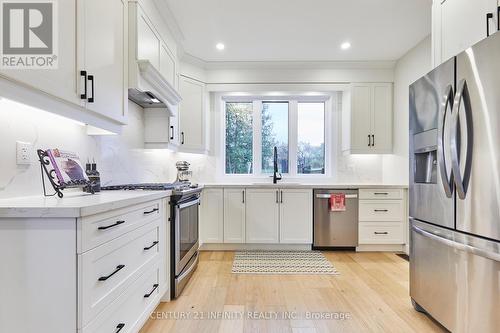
(381, 233)
(111, 225)
(118, 268)
(151, 211)
(119, 327)
(152, 291)
(380, 210)
(150, 247)
(381, 193)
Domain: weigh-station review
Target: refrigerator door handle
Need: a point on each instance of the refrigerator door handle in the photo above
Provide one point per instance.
(446, 107)
(461, 181)
(459, 246)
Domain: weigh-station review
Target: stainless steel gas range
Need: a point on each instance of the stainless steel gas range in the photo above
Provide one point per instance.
(184, 226)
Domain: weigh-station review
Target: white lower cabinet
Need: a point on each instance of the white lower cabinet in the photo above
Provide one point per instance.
(296, 216)
(262, 216)
(99, 273)
(382, 216)
(237, 215)
(212, 216)
(234, 215)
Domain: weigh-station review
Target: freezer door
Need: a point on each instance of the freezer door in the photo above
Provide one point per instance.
(476, 162)
(455, 278)
(431, 186)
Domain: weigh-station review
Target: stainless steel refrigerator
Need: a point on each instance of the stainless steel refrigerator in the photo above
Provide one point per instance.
(454, 192)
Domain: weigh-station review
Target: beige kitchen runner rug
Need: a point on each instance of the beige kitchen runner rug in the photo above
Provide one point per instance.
(282, 262)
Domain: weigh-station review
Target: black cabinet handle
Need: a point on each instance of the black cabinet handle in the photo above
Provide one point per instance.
(380, 193)
(243, 195)
(182, 136)
(498, 18)
(380, 210)
(171, 132)
(119, 327)
(152, 291)
(281, 197)
(488, 17)
(150, 247)
(373, 140)
(151, 211)
(380, 233)
(84, 74)
(118, 268)
(111, 225)
(91, 79)
(369, 140)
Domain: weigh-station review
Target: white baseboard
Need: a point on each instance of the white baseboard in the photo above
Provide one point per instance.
(238, 247)
(381, 248)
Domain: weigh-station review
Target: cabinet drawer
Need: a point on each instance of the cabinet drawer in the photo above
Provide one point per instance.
(132, 308)
(106, 271)
(380, 210)
(101, 228)
(380, 194)
(381, 233)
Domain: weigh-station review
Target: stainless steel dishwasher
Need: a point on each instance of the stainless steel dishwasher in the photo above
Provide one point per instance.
(335, 230)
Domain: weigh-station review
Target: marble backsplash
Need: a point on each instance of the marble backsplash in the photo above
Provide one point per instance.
(120, 158)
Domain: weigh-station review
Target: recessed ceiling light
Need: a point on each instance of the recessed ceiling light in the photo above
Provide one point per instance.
(345, 45)
(220, 46)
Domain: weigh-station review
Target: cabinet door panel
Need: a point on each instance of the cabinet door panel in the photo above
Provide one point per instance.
(105, 49)
(382, 118)
(63, 81)
(296, 217)
(234, 215)
(262, 216)
(191, 114)
(463, 23)
(211, 216)
(148, 45)
(167, 65)
(361, 117)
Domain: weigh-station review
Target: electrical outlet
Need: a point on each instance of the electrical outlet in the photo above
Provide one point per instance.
(23, 152)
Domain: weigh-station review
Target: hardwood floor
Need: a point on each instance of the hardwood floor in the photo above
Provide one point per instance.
(372, 290)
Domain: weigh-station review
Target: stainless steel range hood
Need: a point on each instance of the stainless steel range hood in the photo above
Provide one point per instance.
(146, 99)
(149, 89)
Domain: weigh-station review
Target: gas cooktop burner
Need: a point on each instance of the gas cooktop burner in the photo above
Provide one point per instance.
(153, 186)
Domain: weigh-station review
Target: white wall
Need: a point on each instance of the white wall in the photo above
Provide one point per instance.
(412, 66)
(120, 158)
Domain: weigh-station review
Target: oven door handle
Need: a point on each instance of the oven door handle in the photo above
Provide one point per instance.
(188, 204)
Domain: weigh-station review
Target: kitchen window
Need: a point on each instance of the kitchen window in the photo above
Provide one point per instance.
(274, 118)
(311, 138)
(239, 138)
(254, 126)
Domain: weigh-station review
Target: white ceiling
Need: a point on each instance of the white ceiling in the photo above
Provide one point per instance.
(301, 30)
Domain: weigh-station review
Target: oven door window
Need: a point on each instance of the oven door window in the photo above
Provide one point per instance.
(188, 217)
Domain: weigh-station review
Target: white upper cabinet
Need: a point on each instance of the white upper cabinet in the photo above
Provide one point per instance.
(296, 216)
(60, 82)
(262, 216)
(234, 215)
(148, 44)
(192, 115)
(368, 121)
(104, 59)
(459, 24)
(168, 65)
(91, 71)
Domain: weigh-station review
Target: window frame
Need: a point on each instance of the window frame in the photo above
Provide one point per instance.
(293, 101)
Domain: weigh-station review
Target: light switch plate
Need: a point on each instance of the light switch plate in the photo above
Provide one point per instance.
(23, 152)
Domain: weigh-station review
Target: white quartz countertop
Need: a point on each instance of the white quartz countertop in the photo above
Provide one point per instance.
(304, 185)
(75, 204)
